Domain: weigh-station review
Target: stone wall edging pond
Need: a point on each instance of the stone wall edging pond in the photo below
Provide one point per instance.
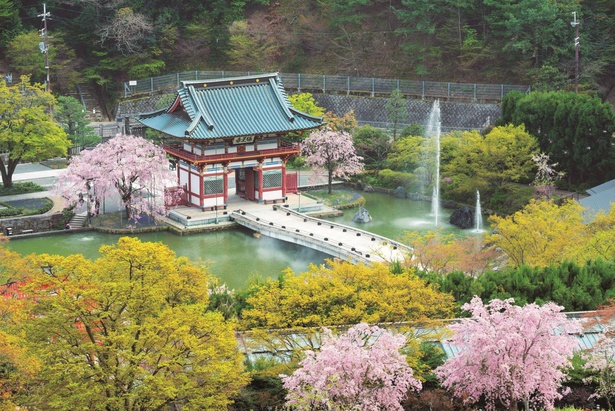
(36, 224)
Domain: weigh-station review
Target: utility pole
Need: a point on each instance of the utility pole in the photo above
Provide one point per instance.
(44, 46)
(575, 24)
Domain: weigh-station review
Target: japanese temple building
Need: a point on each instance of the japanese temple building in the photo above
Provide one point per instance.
(216, 127)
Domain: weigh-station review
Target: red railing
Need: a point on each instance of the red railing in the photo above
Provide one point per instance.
(179, 152)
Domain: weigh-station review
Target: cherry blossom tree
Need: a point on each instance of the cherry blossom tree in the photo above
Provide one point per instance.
(359, 370)
(546, 175)
(134, 167)
(509, 353)
(601, 357)
(332, 151)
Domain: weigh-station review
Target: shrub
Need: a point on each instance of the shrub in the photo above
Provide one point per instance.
(21, 188)
(392, 179)
(10, 212)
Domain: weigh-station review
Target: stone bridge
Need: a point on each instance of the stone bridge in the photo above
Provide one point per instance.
(338, 240)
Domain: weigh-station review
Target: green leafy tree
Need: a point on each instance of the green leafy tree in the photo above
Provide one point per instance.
(27, 132)
(396, 110)
(406, 153)
(305, 102)
(129, 331)
(575, 130)
(72, 116)
(24, 55)
(373, 145)
(533, 31)
(10, 24)
(249, 48)
(502, 156)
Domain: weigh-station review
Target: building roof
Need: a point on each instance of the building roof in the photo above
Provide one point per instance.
(230, 107)
(600, 199)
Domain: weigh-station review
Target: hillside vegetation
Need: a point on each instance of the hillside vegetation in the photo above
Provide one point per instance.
(488, 41)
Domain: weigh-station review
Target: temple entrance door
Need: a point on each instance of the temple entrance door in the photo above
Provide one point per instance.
(249, 184)
(240, 182)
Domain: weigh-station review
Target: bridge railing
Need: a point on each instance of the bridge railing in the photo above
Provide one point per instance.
(328, 84)
(321, 242)
(386, 240)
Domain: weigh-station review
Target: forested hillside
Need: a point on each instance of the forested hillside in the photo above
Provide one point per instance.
(489, 41)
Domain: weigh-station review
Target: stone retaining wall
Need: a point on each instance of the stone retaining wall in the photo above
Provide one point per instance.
(454, 115)
(371, 110)
(32, 224)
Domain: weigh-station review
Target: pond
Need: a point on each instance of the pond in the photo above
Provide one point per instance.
(236, 255)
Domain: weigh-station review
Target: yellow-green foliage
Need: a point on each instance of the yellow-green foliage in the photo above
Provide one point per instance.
(129, 328)
(544, 233)
(342, 293)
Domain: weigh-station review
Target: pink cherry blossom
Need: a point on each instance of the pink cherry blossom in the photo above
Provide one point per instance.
(135, 168)
(333, 152)
(360, 370)
(509, 353)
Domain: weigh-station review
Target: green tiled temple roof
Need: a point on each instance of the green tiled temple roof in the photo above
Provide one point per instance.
(231, 107)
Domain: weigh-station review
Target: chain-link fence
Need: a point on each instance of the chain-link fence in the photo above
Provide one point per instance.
(369, 86)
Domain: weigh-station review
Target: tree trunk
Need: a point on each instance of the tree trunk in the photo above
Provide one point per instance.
(7, 171)
(513, 405)
(330, 183)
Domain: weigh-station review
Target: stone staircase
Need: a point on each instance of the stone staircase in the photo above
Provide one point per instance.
(78, 220)
(86, 95)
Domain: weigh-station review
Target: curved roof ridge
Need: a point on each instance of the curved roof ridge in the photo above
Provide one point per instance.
(281, 100)
(213, 82)
(203, 114)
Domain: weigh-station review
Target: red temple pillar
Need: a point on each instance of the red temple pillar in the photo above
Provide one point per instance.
(260, 182)
(226, 174)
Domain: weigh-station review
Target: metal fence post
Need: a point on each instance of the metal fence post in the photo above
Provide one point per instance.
(177, 76)
(373, 87)
(449, 90)
(348, 85)
(298, 82)
(151, 85)
(324, 84)
(474, 91)
(502, 91)
(423, 92)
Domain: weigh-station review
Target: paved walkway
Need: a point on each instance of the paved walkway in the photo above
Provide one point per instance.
(338, 240)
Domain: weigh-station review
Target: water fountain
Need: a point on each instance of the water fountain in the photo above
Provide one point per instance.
(433, 131)
(478, 215)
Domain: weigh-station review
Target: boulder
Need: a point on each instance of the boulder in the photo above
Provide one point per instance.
(463, 217)
(362, 216)
(400, 192)
(368, 188)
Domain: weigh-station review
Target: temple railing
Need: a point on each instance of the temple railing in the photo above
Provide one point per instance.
(179, 152)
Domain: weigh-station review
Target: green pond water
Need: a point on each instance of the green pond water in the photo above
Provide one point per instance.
(236, 255)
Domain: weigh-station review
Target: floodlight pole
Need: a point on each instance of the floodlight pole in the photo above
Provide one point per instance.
(45, 50)
(575, 24)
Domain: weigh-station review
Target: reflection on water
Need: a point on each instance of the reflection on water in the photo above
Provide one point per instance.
(236, 255)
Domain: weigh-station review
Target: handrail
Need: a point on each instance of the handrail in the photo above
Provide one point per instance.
(322, 243)
(347, 227)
